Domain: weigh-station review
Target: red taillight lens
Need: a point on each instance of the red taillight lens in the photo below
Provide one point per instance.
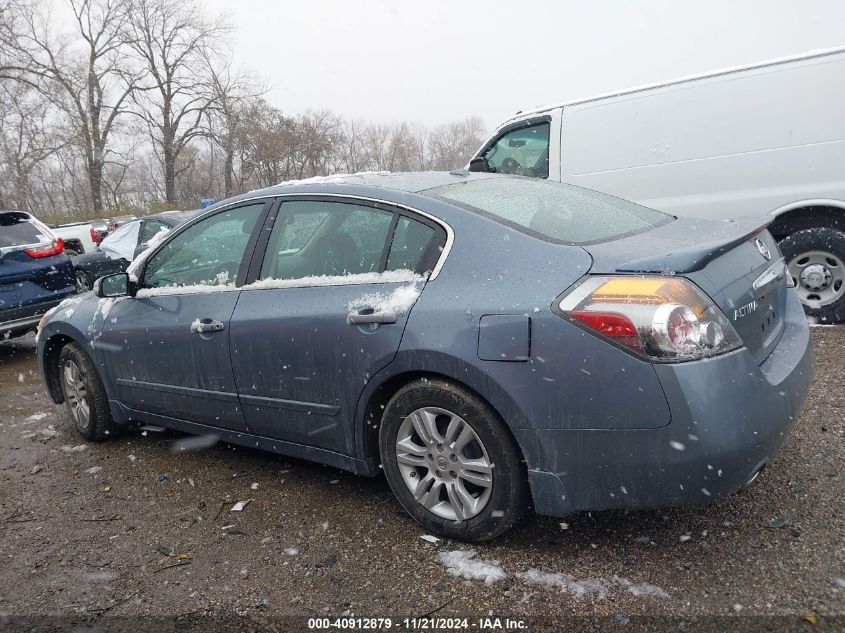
(662, 318)
(54, 248)
(617, 326)
(95, 235)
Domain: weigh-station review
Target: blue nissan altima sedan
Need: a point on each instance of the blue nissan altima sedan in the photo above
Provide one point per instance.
(491, 343)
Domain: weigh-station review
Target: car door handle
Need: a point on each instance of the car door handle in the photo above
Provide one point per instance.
(206, 325)
(367, 316)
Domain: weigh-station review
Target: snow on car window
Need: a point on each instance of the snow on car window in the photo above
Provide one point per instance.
(553, 210)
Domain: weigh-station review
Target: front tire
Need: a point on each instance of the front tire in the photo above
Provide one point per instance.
(815, 259)
(451, 462)
(85, 396)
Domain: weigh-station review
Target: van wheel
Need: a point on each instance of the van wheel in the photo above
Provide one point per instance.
(451, 462)
(85, 397)
(815, 259)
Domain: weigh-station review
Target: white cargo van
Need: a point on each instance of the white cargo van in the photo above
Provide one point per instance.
(761, 139)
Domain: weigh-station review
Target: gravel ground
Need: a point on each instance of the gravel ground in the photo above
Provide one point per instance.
(128, 531)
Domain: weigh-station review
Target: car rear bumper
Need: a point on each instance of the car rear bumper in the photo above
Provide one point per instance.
(729, 416)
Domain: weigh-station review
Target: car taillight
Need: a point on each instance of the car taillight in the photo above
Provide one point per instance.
(661, 318)
(53, 248)
(95, 235)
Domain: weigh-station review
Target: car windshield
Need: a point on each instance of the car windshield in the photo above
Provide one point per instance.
(16, 229)
(551, 210)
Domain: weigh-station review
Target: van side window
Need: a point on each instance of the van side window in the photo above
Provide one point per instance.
(524, 151)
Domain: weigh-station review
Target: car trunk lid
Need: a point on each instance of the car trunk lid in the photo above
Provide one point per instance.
(737, 264)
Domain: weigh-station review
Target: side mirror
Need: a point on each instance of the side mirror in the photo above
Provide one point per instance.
(110, 286)
(479, 164)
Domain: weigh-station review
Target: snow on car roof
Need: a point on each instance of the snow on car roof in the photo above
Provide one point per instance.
(411, 182)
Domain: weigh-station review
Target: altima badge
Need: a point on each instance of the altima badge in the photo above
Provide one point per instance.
(764, 250)
(748, 308)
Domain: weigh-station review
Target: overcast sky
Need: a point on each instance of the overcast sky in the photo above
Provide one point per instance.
(431, 61)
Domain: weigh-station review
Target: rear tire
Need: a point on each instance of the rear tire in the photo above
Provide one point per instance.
(85, 396)
(451, 462)
(816, 261)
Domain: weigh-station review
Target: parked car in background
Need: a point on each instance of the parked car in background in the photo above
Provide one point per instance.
(100, 230)
(465, 334)
(78, 237)
(763, 139)
(121, 246)
(119, 220)
(35, 274)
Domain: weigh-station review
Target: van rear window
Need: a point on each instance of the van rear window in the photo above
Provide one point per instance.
(551, 210)
(16, 229)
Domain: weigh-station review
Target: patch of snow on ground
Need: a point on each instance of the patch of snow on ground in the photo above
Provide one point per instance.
(464, 564)
(641, 590)
(564, 582)
(38, 416)
(595, 587)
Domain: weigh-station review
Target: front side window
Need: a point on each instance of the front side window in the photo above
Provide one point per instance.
(523, 151)
(209, 253)
(150, 229)
(314, 238)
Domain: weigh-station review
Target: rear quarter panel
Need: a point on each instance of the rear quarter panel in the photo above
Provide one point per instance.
(570, 379)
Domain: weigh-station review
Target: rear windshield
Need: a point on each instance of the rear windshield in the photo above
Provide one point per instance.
(16, 229)
(552, 210)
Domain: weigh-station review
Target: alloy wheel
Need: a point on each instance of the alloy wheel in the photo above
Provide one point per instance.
(76, 394)
(444, 463)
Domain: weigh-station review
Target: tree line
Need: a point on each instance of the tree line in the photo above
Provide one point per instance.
(136, 105)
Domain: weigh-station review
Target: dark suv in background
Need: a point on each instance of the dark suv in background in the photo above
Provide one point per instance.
(35, 274)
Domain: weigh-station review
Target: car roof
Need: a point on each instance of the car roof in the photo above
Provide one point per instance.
(368, 182)
(173, 218)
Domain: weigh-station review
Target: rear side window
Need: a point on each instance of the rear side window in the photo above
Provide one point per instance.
(315, 238)
(522, 152)
(17, 229)
(551, 210)
(410, 243)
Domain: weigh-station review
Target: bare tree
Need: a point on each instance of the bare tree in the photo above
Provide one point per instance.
(170, 38)
(81, 76)
(230, 91)
(452, 144)
(28, 137)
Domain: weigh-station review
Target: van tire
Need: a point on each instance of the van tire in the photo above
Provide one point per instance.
(815, 259)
